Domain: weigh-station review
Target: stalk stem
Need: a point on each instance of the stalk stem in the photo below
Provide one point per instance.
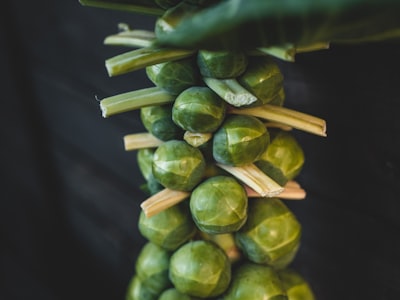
(291, 191)
(131, 38)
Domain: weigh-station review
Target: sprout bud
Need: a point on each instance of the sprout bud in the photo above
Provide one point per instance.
(168, 229)
(200, 269)
(295, 285)
(219, 205)
(178, 166)
(138, 291)
(221, 64)
(271, 234)
(240, 140)
(198, 109)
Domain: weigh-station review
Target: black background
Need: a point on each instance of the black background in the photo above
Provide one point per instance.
(70, 193)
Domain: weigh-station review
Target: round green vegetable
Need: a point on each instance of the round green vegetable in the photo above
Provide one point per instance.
(152, 268)
(145, 161)
(170, 228)
(178, 166)
(174, 294)
(158, 121)
(198, 109)
(219, 205)
(263, 79)
(174, 76)
(221, 64)
(284, 153)
(271, 234)
(297, 288)
(255, 282)
(137, 291)
(240, 140)
(200, 269)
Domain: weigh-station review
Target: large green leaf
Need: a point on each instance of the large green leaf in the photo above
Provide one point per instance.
(137, 6)
(265, 23)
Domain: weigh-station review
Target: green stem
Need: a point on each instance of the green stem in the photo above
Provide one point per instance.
(134, 100)
(143, 8)
(162, 200)
(143, 140)
(143, 57)
(131, 38)
(231, 91)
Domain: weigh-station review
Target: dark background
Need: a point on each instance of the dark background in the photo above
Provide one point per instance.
(69, 192)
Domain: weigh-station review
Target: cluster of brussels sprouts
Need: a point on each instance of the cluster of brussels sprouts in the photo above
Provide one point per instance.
(217, 159)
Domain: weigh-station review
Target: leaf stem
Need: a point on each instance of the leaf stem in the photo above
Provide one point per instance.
(151, 9)
(231, 91)
(286, 116)
(292, 191)
(131, 38)
(143, 57)
(255, 179)
(134, 100)
(143, 140)
(162, 200)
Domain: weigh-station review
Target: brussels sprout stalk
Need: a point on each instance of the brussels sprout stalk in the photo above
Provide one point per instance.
(143, 140)
(162, 200)
(291, 191)
(131, 38)
(286, 116)
(255, 179)
(231, 91)
(278, 125)
(141, 58)
(134, 100)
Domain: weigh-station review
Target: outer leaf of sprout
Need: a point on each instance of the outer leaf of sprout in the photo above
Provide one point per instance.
(255, 282)
(137, 290)
(152, 268)
(178, 166)
(272, 233)
(168, 229)
(174, 294)
(198, 109)
(137, 6)
(200, 269)
(219, 205)
(297, 288)
(240, 141)
(145, 161)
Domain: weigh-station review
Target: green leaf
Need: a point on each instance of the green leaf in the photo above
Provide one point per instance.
(238, 24)
(137, 6)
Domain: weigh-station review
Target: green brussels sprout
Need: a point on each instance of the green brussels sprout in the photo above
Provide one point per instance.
(271, 234)
(137, 291)
(295, 285)
(145, 161)
(279, 98)
(178, 166)
(174, 294)
(198, 109)
(255, 282)
(174, 76)
(240, 140)
(152, 268)
(273, 172)
(200, 269)
(221, 64)
(284, 153)
(170, 228)
(263, 79)
(219, 205)
(158, 121)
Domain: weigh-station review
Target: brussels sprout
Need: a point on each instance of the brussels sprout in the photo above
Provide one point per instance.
(152, 268)
(178, 166)
(262, 78)
(284, 153)
(255, 282)
(240, 140)
(219, 205)
(137, 291)
(174, 294)
(200, 269)
(145, 161)
(174, 76)
(221, 64)
(271, 234)
(198, 109)
(295, 285)
(273, 172)
(279, 98)
(158, 121)
(170, 228)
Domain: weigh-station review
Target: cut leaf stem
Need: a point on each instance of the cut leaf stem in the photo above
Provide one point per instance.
(162, 200)
(144, 140)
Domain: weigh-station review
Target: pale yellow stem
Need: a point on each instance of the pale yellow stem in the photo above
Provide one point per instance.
(162, 200)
